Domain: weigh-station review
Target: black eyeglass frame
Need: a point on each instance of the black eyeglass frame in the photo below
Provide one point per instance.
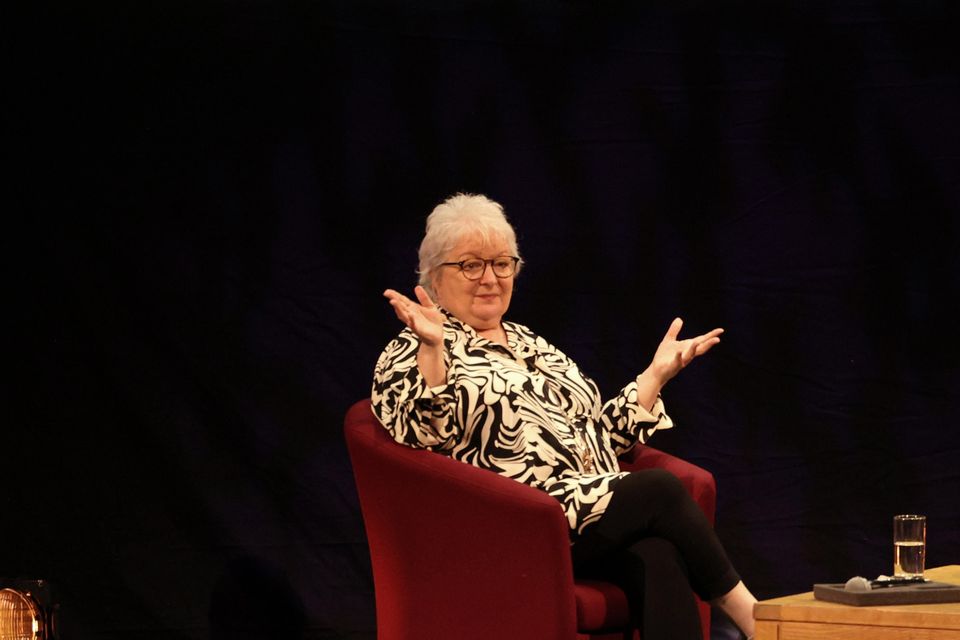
(513, 270)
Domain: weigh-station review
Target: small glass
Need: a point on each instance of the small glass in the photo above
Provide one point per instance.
(909, 546)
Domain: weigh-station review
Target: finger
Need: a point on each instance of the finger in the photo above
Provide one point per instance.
(424, 297)
(706, 345)
(678, 360)
(395, 296)
(404, 307)
(674, 329)
(401, 317)
(710, 334)
(400, 309)
(711, 337)
(397, 299)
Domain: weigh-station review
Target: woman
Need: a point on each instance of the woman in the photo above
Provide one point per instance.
(462, 381)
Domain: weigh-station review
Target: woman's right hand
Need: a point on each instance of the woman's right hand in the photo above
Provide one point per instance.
(423, 317)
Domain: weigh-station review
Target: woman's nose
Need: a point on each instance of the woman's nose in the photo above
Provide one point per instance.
(488, 276)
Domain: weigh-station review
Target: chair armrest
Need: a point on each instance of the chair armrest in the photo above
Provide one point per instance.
(697, 480)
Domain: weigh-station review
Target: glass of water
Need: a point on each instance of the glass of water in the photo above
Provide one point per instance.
(909, 545)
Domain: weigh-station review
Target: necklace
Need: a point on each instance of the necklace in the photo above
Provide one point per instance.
(581, 444)
(583, 449)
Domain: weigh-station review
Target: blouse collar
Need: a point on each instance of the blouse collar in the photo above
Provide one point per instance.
(518, 347)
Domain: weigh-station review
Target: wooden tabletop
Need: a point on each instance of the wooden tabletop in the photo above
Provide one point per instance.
(803, 607)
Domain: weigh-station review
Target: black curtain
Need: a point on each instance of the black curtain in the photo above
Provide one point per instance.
(209, 198)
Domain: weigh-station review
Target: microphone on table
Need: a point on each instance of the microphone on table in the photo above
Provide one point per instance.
(859, 583)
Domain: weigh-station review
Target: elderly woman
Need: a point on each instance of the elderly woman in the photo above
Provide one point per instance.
(462, 381)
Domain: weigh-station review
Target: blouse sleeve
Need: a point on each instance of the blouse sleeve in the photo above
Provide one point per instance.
(629, 423)
(415, 414)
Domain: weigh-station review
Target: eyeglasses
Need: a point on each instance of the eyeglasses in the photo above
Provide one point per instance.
(472, 269)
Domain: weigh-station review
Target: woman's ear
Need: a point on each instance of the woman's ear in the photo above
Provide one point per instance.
(430, 285)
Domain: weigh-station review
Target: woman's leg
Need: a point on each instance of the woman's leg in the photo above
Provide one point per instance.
(737, 604)
(654, 503)
(654, 579)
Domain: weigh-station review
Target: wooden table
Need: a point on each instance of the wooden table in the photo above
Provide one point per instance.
(802, 617)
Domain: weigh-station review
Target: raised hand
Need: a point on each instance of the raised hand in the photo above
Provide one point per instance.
(423, 317)
(673, 355)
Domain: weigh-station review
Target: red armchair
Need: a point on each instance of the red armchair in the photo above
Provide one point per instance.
(462, 553)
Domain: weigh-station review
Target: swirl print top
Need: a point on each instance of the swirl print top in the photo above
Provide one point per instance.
(526, 412)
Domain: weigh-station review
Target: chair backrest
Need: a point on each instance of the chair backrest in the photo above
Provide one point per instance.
(458, 551)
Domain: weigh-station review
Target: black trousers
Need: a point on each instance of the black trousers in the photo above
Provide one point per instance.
(655, 543)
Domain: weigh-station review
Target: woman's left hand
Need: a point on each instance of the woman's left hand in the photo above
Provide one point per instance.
(673, 355)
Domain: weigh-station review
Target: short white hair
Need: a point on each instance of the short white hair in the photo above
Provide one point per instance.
(453, 219)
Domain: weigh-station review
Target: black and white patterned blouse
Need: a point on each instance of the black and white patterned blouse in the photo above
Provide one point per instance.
(526, 412)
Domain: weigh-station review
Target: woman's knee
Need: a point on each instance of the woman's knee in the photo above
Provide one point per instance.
(659, 553)
(651, 484)
(655, 547)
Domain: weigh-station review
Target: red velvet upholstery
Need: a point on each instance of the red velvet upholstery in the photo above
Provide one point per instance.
(461, 552)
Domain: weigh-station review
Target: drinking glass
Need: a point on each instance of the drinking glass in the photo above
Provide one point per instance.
(909, 545)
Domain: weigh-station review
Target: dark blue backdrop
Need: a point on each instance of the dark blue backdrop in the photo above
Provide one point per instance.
(211, 197)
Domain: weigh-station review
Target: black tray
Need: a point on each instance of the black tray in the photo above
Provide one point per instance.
(921, 593)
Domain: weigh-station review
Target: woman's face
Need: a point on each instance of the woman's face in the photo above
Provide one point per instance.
(479, 303)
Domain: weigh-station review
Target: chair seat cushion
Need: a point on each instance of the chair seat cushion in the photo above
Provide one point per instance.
(600, 605)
